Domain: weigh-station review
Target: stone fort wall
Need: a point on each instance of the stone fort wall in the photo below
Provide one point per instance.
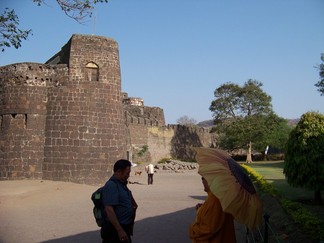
(146, 127)
(23, 112)
(170, 141)
(63, 120)
(69, 120)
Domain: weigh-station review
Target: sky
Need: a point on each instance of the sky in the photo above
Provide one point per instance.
(175, 53)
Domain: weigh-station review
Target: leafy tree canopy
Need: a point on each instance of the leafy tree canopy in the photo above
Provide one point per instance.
(12, 35)
(304, 158)
(262, 130)
(320, 83)
(244, 114)
(232, 101)
(78, 10)
(277, 130)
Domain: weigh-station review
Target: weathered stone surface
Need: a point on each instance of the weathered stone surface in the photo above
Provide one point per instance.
(176, 166)
(69, 120)
(68, 112)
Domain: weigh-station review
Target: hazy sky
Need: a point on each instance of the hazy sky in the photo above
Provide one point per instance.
(175, 53)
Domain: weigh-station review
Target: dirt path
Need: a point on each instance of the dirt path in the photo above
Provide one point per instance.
(48, 211)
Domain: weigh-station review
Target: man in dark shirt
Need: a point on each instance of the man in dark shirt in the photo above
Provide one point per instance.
(120, 206)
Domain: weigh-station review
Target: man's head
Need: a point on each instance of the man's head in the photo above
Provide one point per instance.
(122, 169)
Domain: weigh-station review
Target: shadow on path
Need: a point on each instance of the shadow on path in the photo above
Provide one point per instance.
(171, 228)
(86, 237)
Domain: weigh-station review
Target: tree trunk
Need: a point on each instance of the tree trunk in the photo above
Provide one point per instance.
(265, 154)
(318, 197)
(249, 153)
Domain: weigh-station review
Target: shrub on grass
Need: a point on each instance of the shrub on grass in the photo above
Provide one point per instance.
(263, 184)
(312, 225)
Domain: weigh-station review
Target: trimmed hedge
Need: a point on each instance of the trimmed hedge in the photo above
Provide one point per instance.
(312, 225)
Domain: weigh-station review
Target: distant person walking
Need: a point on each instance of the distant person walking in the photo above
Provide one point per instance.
(150, 172)
(120, 206)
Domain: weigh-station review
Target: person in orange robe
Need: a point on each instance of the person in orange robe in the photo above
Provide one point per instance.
(212, 224)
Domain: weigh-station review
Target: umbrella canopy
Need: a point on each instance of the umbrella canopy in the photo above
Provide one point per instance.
(229, 183)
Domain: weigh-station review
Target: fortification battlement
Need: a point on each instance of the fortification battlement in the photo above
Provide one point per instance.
(179, 127)
(133, 101)
(90, 58)
(68, 119)
(76, 44)
(33, 74)
(141, 121)
(63, 120)
(144, 115)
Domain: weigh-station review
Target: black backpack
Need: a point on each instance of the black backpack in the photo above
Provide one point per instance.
(99, 208)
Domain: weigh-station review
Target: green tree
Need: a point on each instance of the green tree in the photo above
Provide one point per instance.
(262, 130)
(78, 10)
(11, 35)
(240, 115)
(304, 157)
(277, 130)
(320, 83)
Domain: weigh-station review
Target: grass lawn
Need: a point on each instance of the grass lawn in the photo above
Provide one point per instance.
(272, 171)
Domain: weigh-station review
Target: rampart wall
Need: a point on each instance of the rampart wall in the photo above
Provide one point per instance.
(85, 127)
(63, 120)
(68, 119)
(23, 109)
(144, 115)
(171, 141)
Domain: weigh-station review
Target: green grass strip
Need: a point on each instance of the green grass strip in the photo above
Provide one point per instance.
(312, 225)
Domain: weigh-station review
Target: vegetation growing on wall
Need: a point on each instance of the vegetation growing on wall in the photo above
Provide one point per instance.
(143, 150)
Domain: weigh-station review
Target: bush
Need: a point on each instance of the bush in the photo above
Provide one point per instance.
(312, 225)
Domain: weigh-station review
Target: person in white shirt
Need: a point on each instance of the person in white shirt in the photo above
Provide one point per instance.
(150, 172)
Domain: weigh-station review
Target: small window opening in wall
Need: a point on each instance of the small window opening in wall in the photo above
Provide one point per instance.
(92, 71)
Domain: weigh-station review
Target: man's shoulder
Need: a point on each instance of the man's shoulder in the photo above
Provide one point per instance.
(111, 182)
(110, 188)
(114, 183)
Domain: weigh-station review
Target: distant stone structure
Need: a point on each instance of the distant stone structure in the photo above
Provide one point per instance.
(68, 119)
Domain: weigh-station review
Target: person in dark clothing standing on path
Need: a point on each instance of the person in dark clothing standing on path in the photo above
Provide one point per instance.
(120, 206)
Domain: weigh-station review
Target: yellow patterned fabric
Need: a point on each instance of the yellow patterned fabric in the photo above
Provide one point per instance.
(230, 185)
(212, 225)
